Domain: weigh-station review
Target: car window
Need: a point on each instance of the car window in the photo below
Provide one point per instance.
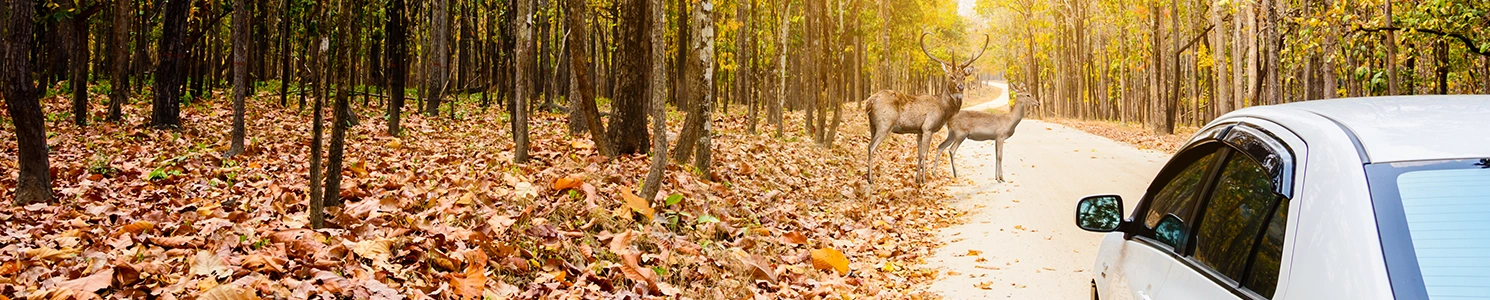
(1179, 195)
(1267, 259)
(1233, 218)
(1448, 212)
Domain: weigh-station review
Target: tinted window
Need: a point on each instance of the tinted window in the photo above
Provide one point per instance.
(1234, 216)
(1267, 259)
(1179, 194)
(1448, 218)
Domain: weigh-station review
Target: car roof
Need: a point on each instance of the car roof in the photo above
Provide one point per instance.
(1407, 128)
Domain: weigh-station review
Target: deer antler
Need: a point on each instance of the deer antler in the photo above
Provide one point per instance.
(980, 52)
(928, 53)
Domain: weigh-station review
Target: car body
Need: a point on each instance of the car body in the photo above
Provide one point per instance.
(1311, 200)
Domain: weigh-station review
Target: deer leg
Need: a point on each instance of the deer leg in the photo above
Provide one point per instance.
(936, 160)
(953, 156)
(923, 143)
(874, 142)
(998, 159)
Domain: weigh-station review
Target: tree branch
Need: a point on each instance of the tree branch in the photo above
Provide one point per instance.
(1468, 43)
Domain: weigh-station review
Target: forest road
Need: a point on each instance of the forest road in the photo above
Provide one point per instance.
(1020, 240)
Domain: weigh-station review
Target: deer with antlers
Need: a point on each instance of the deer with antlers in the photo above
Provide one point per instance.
(923, 115)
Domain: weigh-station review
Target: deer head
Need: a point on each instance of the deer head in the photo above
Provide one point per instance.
(956, 73)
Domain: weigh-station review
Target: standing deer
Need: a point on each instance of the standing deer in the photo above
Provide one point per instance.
(983, 126)
(923, 115)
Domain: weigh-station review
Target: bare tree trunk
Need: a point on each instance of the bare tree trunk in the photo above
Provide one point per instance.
(628, 125)
(439, 65)
(397, 28)
(1222, 97)
(34, 185)
(169, 74)
(1393, 78)
(583, 97)
(703, 16)
(519, 109)
(1251, 41)
(778, 108)
(315, 59)
(119, 77)
(240, 73)
(657, 98)
(1238, 53)
(1485, 74)
(284, 54)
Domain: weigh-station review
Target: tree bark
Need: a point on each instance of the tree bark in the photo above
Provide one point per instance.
(628, 125)
(1393, 80)
(240, 74)
(119, 77)
(342, 109)
(579, 65)
(398, 40)
(284, 54)
(1222, 97)
(703, 16)
(439, 64)
(657, 98)
(34, 185)
(519, 109)
(165, 110)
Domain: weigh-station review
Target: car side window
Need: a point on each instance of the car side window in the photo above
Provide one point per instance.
(1268, 257)
(1178, 198)
(1235, 218)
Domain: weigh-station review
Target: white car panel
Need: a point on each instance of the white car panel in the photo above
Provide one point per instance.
(1129, 270)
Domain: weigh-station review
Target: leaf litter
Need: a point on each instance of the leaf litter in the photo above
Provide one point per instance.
(442, 213)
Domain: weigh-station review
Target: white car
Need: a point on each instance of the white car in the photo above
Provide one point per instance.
(1369, 198)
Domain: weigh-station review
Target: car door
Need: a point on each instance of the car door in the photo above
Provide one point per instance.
(1233, 248)
(1137, 266)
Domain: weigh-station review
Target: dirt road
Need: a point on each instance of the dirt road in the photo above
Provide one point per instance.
(1020, 241)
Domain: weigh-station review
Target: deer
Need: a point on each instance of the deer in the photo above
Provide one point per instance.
(983, 126)
(923, 115)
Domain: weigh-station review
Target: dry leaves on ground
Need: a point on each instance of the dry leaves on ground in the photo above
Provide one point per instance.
(441, 212)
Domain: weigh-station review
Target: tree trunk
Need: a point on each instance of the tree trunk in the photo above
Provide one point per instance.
(284, 54)
(342, 109)
(398, 40)
(240, 73)
(314, 59)
(34, 185)
(657, 98)
(1222, 97)
(119, 77)
(680, 87)
(519, 108)
(439, 64)
(165, 110)
(1393, 80)
(703, 16)
(628, 125)
(579, 65)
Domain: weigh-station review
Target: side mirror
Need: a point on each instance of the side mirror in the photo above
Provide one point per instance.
(1100, 213)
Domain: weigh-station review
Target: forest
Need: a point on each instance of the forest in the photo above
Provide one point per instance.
(1182, 63)
(349, 148)
(701, 149)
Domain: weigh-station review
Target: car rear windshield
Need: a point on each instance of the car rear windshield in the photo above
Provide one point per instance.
(1443, 230)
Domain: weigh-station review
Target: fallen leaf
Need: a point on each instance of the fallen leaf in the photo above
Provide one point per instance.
(637, 204)
(208, 264)
(228, 292)
(568, 182)
(52, 254)
(137, 227)
(794, 238)
(631, 267)
(829, 258)
(90, 283)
